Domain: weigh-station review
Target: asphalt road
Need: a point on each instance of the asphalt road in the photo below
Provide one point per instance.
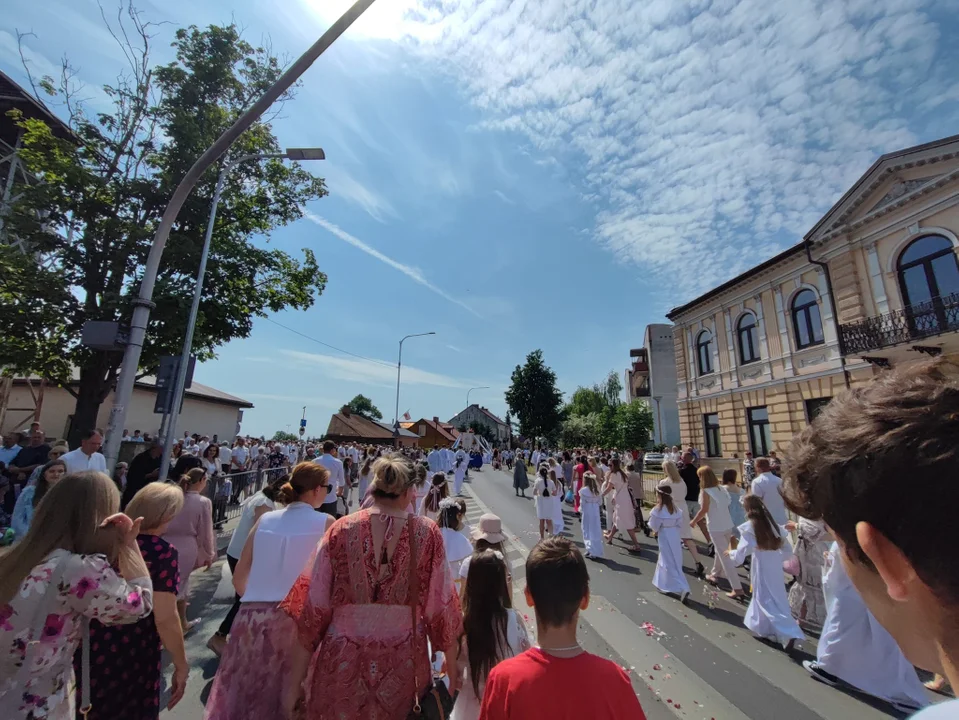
(692, 662)
(699, 661)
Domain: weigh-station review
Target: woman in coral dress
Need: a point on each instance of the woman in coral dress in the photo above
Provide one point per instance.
(353, 603)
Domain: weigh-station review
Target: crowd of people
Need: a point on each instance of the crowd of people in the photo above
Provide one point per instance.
(385, 613)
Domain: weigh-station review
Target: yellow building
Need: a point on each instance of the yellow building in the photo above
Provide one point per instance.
(874, 284)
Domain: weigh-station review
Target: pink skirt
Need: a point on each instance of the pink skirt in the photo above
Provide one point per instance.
(254, 666)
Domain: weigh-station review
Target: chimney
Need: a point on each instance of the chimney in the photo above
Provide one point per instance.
(436, 420)
(345, 410)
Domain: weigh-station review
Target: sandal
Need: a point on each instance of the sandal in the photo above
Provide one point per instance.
(711, 579)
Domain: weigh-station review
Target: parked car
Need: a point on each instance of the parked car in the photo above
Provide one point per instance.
(654, 460)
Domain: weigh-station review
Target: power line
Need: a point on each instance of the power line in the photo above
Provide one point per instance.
(332, 347)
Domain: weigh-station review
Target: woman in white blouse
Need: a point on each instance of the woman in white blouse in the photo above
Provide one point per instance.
(714, 506)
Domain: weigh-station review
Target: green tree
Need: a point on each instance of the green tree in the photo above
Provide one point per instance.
(103, 193)
(362, 405)
(283, 436)
(612, 390)
(484, 431)
(585, 401)
(580, 431)
(635, 425)
(534, 398)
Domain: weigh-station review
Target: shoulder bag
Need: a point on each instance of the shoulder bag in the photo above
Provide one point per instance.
(436, 703)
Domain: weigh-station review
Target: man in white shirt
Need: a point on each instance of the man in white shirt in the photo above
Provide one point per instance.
(240, 457)
(353, 453)
(435, 460)
(137, 437)
(225, 458)
(337, 479)
(10, 449)
(86, 456)
(766, 487)
(447, 459)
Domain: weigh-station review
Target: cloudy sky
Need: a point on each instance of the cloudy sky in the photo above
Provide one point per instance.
(541, 174)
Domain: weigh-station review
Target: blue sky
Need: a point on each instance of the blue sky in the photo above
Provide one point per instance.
(555, 175)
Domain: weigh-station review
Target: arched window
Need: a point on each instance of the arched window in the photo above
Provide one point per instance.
(807, 322)
(929, 282)
(704, 352)
(747, 332)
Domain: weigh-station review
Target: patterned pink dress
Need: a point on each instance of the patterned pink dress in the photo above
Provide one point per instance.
(360, 633)
(88, 588)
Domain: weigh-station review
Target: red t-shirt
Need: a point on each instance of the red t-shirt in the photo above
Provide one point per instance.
(538, 685)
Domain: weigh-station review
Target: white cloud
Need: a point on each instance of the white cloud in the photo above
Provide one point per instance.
(413, 273)
(372, 373)
(343, 185)
(504, 197)
(708, 133)
(454, 348)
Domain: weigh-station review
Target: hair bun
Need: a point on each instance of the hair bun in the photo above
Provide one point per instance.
(286, 493)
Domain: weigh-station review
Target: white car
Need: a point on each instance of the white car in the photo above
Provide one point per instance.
(654, 460)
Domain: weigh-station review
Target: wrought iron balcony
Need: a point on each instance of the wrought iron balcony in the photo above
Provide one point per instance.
(938, 316)
(639, 392)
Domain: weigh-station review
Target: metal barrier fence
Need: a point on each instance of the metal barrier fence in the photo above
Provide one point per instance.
(651, 480)
(227, 492)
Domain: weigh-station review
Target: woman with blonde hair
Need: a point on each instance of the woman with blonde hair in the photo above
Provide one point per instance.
(191, 533)
(678, 491)
(624, 514)
(374, 572)
(276, 551)
(134, 650)
(714, 506)
(53, 582)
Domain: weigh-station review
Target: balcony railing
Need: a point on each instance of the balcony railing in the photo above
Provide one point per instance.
(640, 392)
(938, 316)
(640, 366)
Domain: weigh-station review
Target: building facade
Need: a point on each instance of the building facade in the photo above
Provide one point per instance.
(476, 415)
(652, 378)
(874, 284)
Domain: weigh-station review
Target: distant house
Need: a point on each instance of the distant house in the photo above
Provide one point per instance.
(349, 427)
(475, 416)
(433, 432)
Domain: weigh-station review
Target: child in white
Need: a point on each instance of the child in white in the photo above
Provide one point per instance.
(589, 499)
(768, 614)
(666, 519)
(855, 648)
(558, 523)
(543, 491)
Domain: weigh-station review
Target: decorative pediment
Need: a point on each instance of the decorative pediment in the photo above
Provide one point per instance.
(900, 188)
(893, 180)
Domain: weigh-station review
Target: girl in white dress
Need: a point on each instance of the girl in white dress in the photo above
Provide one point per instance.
(676, 484)
(589, 499)
(543, 491)
(492, 630)
(366, 474)
(458, 548)
(558, 523)
(422, 486)
(768, 615)
(666, 519)
(714, 506)
(624, 514)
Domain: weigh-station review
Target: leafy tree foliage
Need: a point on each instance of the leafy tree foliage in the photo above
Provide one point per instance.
(534, 398)
(596, 416)
(103, 193)
(362, 405)
(634, 421)
(283, 436)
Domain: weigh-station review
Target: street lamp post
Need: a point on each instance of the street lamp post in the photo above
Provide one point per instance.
(471, 390)
(399, 365)
(143, 303)
(180, 383)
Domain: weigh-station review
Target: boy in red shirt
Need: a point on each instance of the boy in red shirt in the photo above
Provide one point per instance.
(558, 679)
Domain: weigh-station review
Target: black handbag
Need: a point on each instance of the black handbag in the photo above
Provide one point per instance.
(436, 703)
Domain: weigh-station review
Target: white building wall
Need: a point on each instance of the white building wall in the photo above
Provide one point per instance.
(474, 416)
(662, 383)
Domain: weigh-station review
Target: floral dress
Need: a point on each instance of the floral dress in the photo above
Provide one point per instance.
(125, 660)
(357, 624)
(89, 588)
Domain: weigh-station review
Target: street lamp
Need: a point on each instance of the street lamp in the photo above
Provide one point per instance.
(144, 300)
(399, 365)
(180, 384)
(471, 390)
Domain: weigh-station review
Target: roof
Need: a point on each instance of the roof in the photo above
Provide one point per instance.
(719, 289)
(196, 390)
(483, 410)
(403, 431)
(359, 427)
(438, 427)
(14, 96)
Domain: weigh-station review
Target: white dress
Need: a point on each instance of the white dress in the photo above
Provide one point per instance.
(768, 614)
(679, 502)
(459, 475)
(856, 648)
(467, 705)
(364, 485)
(545, 510)
(624, 516)
(458, 548)
(669, 576)
(558, 523)
(592, 524)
